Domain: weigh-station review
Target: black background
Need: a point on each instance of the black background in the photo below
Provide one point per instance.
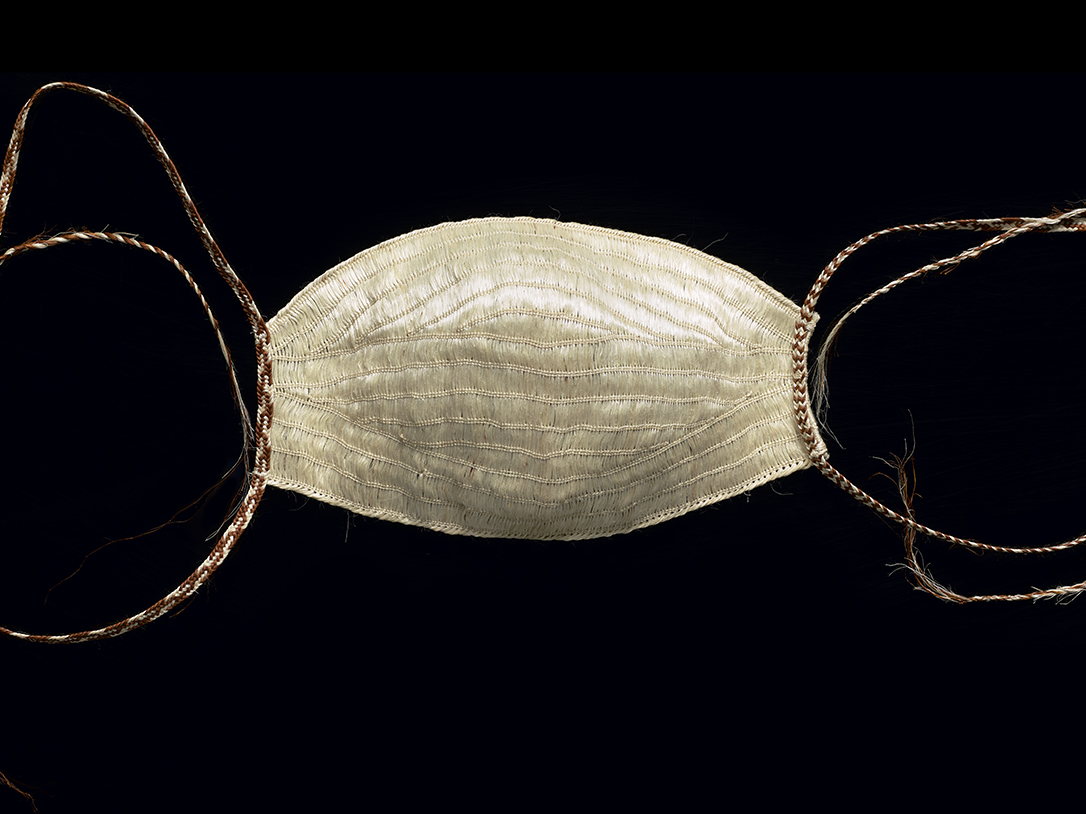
(336, 659)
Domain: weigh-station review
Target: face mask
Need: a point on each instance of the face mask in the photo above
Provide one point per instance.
(525, 378)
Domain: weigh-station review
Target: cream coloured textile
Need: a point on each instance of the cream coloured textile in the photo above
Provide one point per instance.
(516, 377)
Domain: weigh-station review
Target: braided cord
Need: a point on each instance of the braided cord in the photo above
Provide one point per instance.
(1072, 221)
(257, 476)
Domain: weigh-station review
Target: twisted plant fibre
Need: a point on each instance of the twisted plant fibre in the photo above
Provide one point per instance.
(525, 378)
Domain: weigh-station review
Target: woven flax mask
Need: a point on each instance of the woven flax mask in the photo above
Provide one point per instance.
(528, 378)
(525, 378)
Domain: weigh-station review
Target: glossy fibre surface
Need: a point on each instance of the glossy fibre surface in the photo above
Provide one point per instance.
(526, 378)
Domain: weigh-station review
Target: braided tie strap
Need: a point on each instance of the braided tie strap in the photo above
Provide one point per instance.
(256, 435)
(1007, 228)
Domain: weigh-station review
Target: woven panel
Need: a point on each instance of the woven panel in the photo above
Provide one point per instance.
(533, 379)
